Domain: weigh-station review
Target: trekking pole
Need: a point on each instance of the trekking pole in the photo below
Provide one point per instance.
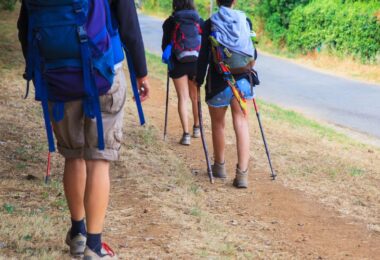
(167, 106)
(135, 89)
(273, 174)
(48, 172)
(209, 171)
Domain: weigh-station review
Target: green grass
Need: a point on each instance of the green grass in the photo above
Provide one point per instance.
(194, 188)
(10, 50)
(8, 208)
(196, 212)
(355, 172)
(228, 249)
(148, 135)
(156, 67)
(295, 119)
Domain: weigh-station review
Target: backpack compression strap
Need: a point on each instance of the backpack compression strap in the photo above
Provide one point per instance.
(33, 72)
(91, 104)
(41, 85)
(218, 53)
(174, 37)
(135, 89)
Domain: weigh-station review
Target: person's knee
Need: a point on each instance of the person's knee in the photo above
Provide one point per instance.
(183, 96)
(97, 163)
(74, 160)
(218, 125)
(74, 163)
(240, 122)
(97, 166)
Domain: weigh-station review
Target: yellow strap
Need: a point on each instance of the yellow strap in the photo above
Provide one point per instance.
(241, 100)
(214, 42)
(232, 83)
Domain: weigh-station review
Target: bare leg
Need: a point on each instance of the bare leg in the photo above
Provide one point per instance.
(194, 101)
(97, 194)
(74, 182)
(182, 88)
(242, 134)
(218, 124)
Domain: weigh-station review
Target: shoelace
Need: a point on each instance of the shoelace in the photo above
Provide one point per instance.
(108, 249)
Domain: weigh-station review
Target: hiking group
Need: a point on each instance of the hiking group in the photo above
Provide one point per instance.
(222, 47)
(74, 51)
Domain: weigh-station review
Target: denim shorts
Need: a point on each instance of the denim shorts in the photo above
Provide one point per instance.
(223, 99)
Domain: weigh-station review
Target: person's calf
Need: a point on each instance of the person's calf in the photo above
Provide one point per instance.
(74, 182)
(97, 194)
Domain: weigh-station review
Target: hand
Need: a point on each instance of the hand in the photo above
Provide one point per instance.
(144, 87)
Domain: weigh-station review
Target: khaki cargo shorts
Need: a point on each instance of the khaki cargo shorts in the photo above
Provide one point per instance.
(77, 135)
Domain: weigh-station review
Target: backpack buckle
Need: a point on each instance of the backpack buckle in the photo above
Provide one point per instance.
(77, 7)
(82, 34)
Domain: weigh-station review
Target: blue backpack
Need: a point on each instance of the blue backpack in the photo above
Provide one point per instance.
(72, 50)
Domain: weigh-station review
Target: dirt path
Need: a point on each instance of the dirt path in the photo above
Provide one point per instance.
(284, 221)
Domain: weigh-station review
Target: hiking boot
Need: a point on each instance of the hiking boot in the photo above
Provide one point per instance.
(186, 139)
(219, 170)
(196, 131)
(77, 244)
(241, 179)
(106, 253)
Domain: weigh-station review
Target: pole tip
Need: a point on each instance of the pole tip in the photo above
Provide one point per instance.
(47, 180)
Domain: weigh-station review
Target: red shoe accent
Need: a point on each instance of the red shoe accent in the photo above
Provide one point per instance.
(108, 249)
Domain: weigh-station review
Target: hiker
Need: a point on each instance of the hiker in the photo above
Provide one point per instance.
(182, 32)
(86, 110)
(228, 53)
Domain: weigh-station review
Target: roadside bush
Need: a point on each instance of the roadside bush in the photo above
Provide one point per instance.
(346, 27)
(276, 16)
(8, 4)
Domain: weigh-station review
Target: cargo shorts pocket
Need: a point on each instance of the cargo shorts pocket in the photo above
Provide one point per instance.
(118, 135)
(113, 101)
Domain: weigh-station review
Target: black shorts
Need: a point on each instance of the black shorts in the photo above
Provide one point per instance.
(181, 69)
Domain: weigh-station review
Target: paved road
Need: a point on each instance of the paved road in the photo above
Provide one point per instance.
(347, 103)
